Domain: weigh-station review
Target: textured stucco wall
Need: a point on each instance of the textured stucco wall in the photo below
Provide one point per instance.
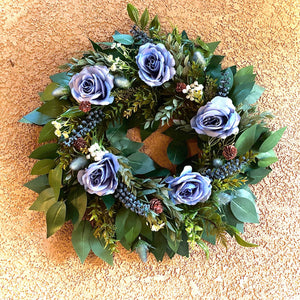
(35, 37)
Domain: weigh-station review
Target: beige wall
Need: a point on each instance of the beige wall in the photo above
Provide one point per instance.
(38, 35)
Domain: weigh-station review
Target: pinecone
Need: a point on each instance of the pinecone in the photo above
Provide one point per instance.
(85, 106)
(156, 206)
(229, 152)
(80, 144)
(180, 87)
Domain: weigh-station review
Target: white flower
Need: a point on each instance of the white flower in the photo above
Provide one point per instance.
(56, 124)
(118, 45)
(113, 67)
(157, 227)
(110, 58)
(57, 132)
(113, 45)
(94, 147)
(65, 134)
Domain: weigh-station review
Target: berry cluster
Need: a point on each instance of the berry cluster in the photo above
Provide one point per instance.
(93, 118)
(129, 200)
(228, 169)
(140, 35)
(223, 89)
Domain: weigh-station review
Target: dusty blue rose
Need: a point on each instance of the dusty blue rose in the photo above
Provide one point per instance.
(217, 118)
(189, 188)
(100, 177)
(156, 64)
(93, 84)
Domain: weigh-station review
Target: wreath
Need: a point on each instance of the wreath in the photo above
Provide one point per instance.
(92, 174)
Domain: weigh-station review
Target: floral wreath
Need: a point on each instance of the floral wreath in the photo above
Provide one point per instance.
(92, 174)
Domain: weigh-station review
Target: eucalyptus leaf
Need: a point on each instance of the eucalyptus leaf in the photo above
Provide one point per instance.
(124, 39)
(81, 237)
(246, 140)
(141, 163)
(45, 151)
(253, 97)
(244, 210)
(177, 151)
(272, 140)
(61, 78)
(43, 167)
(44, 201)
(55, 217)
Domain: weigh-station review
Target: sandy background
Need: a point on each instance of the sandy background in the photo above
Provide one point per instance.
(37, 36)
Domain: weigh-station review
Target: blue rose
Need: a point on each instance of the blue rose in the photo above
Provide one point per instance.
(217, 118)
(92, 84)
(189, 188)
(156, 64)
(100, 177)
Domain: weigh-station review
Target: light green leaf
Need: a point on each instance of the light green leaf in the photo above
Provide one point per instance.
(61, 78)
(55, 217)
(272, 140)
(45, 151)
(47, 133)
(244, 210)
(54, 177)
(36, 117)
(266, 158)
(246, 140)
(81, 239)
(98, 247)
(45, 200)
(256, 175)
(43, 167)
(144, 19)
(133, 13)
(124, 39)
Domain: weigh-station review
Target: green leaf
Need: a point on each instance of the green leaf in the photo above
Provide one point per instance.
(256, 175)
(177, 151)
(242, 242)
(115, 133)
(81, 239)
(244, 210)
(141, 163)
(46, 95)
(36, 117)
(47, 133)
(44, 201)
(133, 227)
(78, 198)
(45, 151)
(96, 47)
(204, 247)
(160, 246)
(144, 19)
(253, 97)
(246, 140)
(183, 248)
(55, 217)
(72, 112)
(53, 108)
(212, 46)
(61, 78)
(124, 39)
(98, 247)
(244, 75)
(121, 218)
(38, 184)
(146, 231)
(43, 167)
(54, 177)
(272, 140)
(133, 13)
(128, 147)
(266, 158)
(109, 201)
(154, 25)
(230, 218)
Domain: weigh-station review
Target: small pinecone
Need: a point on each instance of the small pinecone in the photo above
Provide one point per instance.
(180, 87)
(229, 152)
(85, 106)
(156, 206)
(80, 144)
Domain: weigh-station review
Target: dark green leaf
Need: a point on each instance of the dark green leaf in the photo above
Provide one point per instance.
(133, 13)
(121, 218)
(144, 19)
(146, 231)
(141, 163)
(98, 247)
(109, 201)
(124, 39)
(246, 140)
(256, 175)
(45, 200)
(244, 75)
(81, 239)
(72, 112)
(47, 133)
(128, 147)
(43, 167)
(96, 47)
(214, 62)
(61, 78)
(154, 25)
(45, 151)
(240, 93)
(183, 248)
(133, 227)
(38, 184)
(36, 117)
(54, 177)
(53, 108)
(115, 133)
(55, 217)
(244, 210)
(47, 94)
(160, 246)
(177, 151)
(159, 172)
(207, 236)
(272, 140)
